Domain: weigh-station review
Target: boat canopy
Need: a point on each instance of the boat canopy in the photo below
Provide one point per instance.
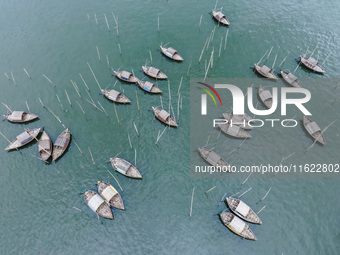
(125, 75)
(214, 157)
(24, 137)
(123, 165)
(243, 209)
(233, 130)
(312, 61)
(312, 127)
(44, 144)
(292, 77)
(17, 115)
(219, 15)
(153, 70)
(113, 94)
(61, 141)
(265, 69)
(148, 86)
(164, 114)
(265, 95)
(237, 224)
(171, 51)
(108, 193)
(95, 202)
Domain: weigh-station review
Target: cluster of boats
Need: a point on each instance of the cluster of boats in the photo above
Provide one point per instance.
(45, 149)
(235, 221)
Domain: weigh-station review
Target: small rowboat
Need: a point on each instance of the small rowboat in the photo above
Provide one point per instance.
(125, 168)
(126, 76)
(24, 138)
(221, 18)
(111, 195)
(115, 96)
(234, 131)
(154, 72)
(242, 210)
(291, 79)
(236, 225)
(45, 147)
(212, 158)
(266, 97)
(265, 71)
(313, 130)
(238, 120)
(164, 117)
(312, 64)
(171, 53)
(20, 117)
(149, 87)
(61, 144)
(97, 204)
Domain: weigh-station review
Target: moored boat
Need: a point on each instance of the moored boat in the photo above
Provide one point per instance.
(45, 147)
(242, 210)
(20, 116)
(312, 64)
(171, 53)
(265, 71)
(115, 96)
(266, 97)
(238, 120)
(111, 195)
(125, 168)
(149, 87)
(221, 18)
(313, 130)
(126, 76)
(98, 204)
(164, 116)
(234, 131)
(236, 225)
(61, 144)
(290, 78)
(24, 138)
(212, 158)
(154, 72)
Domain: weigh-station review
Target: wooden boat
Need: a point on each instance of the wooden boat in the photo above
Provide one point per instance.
(242, 210)
(24, 138)
(265, 71)
(126, 76)
(45, 146)
(149, 87)
(212, 158)
(266, 97)
(61, 144)
(125, 168)
(111, 195)
(154, 72)
(313, 130)
(236, 225)
(20, 117)
(291, 79)
(98, 204)
(234, 131)
(115, 96)
(312, 64)
(171, 53)
(164, 117)
(238, 120)
(221, 18)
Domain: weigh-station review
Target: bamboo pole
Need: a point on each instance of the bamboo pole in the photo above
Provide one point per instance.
(269, 52)
(94, 76)
(48, 80)
(246, 179)
(107, 61)
(78, 147)
(81, 108)
(28, 108)
(74, 206)
(7, 107)
(137, 101)
(159, 136)
(199, 60)
(192, 200)
(161, 102)
(62, 107)
(95, 106)
(314, 50)
(180, 84)
(88, 17)
(225, 40)
(114, 104)
(324, 130)
(120, 50)
(107, 23)
(41, 103)
(129, 140)
(158, 22)
(199, 25)
(95, 17)
(27, 73)
(325, 60)
(103, 108)
(13, 78)
(91, 155)
(274, 62)
(75, 88)
(5, 138)
(262, 57)
(179, 97)
(98, 53)
(150, 56)
(266, 194)
(222, 199)
(189, 68)
(210, 190)
(68, 98)
(115, 180)
(261, 209)
(134, 124)
(84, 80)
(219, 52)
(244, 192)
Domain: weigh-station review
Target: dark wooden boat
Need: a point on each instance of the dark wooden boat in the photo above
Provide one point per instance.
(115, 96)
(164, 117)
(221, 18)
(126, 76)
(149, 87)
(125, 168)
(242, 210)
(265, 71)
(312, 64)
(97, 204)
(154, 72)
(291, 79)
(313, 130)
(266, 97)
(20, 117)
(45, 146)
(212, 158)
(61, 144)
(171, 53)
(24, 138)
(111, 195)
(234, 131)
(236, 225)
(238, 120)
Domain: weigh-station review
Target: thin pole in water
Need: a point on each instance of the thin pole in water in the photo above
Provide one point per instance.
(13, 78)
(107, 23)
(199, 25)
(91, 155)
(27, 73)
(95, 17)
(84, 81)
(192, 200)
(94, 76)
(49, 80)
(134, 124)
(98, 53)
(225, 40)
(68, 97)
(81, 108)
